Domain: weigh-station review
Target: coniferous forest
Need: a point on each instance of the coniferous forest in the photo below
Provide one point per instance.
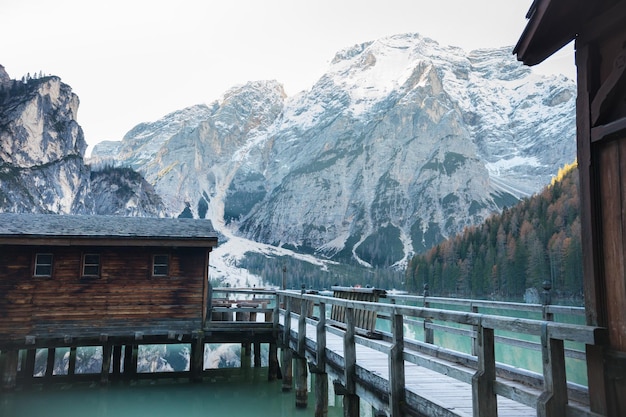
(512, 252)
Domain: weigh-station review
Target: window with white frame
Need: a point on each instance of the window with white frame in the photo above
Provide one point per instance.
(160, 265)
(43, 265)
(91, 265)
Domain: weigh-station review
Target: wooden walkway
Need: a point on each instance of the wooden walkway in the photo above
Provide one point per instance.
(400, 376)
(428, 392)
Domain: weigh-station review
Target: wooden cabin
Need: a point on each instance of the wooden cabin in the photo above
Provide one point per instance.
(66, 278)
(598, 28)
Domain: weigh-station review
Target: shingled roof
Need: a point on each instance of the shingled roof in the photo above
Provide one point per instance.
(29, 228)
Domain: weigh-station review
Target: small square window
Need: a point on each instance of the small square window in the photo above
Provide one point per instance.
(160, 265)
(43, 265)
(91, 265)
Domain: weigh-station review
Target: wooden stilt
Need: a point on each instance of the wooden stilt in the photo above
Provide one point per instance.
(71, 366)
(321, 394)
(50, 363)
(246, 358)
(106, 363)
(8, 367)
(134, 357)
(197, 358)
(301, 383)
(257, 354)
(351, 405)
(117, 359)
(287, 369)
(29, 370)
(273, 366)
(128, 361)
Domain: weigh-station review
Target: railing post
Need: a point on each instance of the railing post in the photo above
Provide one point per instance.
(429, 336)
(301, 366)
(350, 399)
(546, 300)
(553, 401)
(272, 359)
(397, 395)
(484, 401)
(302, 326)
(474, 309)
(321, 377)
(287, 356)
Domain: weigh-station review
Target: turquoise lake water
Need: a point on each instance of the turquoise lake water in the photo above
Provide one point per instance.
(228, 393)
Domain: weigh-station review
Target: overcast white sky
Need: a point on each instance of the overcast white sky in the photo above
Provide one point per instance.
(133, 61)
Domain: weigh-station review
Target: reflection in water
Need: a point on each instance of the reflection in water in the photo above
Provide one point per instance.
(228, 392)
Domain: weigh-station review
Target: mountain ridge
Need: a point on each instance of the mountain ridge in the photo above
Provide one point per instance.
(400, 144)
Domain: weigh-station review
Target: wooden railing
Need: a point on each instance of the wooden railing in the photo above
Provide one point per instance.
(547, 312)
(551, 400)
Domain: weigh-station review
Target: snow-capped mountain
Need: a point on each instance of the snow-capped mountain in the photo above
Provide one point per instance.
(401, 143)
(42, 147)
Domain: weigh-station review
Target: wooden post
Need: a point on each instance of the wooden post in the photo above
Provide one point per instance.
(117, 358)
(429, 336)
(197, 356)
(50, 363)
(301, 365)
(546, 300)
(257, 354)
(71, 366)
(287, 369)
(321, 377)
(321, 394)
(397, 395)
(246, 357)
(8, 368)
(134, 357)
(29, 370)
(301, 382)
(287, 324)
(484, 401)
(474, 347)
(128, 361)
(553, 401)
(106, 363)
(302, 326)
(272, 359)
(350, 399)
(273, 366)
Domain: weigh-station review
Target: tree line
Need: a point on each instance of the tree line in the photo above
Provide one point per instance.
(517, 250)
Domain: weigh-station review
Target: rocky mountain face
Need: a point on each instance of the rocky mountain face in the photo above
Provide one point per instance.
(42, 150)
(401, 143)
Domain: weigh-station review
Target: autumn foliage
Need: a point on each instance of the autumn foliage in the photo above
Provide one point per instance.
(535, 241)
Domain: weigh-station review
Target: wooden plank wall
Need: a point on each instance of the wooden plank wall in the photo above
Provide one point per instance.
(125, 293)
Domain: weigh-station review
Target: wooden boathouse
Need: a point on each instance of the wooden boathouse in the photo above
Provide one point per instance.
(69, 281)
(598, 29)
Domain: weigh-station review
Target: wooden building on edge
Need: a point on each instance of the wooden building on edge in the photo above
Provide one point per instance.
(82, 279)
(598, 28)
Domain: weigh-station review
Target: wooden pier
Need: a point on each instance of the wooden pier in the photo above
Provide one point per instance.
(392, 371)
